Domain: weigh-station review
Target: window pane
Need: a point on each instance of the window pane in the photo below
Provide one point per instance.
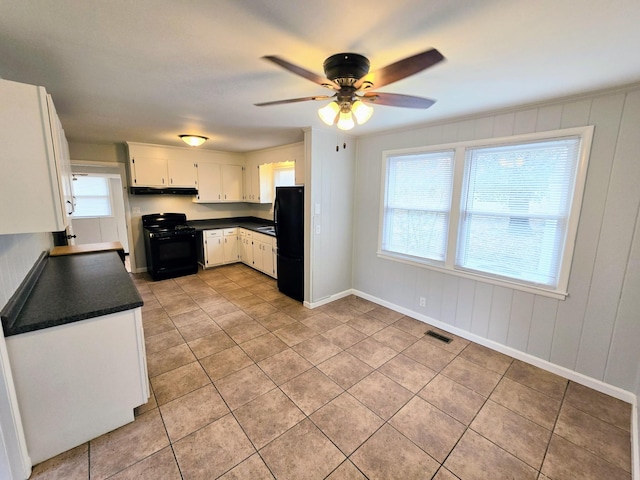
(418, 199)
(284, 177)
(91, 196)
(514, 215)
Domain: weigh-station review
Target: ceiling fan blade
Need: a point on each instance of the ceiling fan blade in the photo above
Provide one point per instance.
(396, 100)
(294, 100)
(400, 69)
(315, 78)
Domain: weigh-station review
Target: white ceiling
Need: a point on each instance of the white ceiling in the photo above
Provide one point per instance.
(148, 70)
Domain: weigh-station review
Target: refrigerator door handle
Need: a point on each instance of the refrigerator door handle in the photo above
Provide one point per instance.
(276, 207)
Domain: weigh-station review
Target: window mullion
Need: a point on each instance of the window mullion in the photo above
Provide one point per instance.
(454, 217)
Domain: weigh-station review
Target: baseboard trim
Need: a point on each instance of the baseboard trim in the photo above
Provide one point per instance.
(329, 299)
(585, 380)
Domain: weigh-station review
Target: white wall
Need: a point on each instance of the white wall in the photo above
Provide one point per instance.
(595, 330)
(18, 253)
(329, 187)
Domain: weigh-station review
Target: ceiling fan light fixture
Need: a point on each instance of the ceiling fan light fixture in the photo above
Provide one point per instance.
(361, 111)
(345, 120)
(329, 112)
(193, 140)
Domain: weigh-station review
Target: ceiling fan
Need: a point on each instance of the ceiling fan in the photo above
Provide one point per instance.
(348, 74)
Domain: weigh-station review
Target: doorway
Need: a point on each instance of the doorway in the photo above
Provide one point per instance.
(101, 205)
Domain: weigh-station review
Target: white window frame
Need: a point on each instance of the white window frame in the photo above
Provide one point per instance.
(460, 148)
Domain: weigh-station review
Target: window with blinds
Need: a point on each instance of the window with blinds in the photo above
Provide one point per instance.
(418, 200)
(92, 196)
(502, 209)
(516, 205)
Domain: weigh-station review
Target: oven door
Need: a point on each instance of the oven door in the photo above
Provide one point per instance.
(173, 256)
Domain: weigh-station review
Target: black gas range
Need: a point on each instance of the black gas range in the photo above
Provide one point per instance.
(170, 245)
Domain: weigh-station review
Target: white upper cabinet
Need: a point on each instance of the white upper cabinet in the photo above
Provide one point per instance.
(181, 173)
(160, 166)
(35, 184)
(209, 183)
(219, 183)
(148, 172)
(258, 183)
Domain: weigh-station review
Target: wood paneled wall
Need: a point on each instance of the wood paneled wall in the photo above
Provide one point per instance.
(596, 329)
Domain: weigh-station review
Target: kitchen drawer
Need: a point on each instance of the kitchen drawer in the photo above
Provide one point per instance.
(213, 233)
(230, 231)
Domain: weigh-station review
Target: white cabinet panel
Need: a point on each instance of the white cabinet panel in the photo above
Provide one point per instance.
(162, 172)
(220, 247)
(149, 172)
(34, 159)
(181, 173)
(214, 249)
(258, 183)
(78, 381)
(219, 183)
(246, 247)
(230, 246)
(209, 183)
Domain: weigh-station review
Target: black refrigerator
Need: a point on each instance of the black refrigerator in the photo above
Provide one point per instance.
(288, 215)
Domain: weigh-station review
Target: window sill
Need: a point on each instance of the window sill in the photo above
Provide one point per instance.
(556, 294)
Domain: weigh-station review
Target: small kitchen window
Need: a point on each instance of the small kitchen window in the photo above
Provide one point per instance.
(499, 210)
(284, 174)
(92, 196)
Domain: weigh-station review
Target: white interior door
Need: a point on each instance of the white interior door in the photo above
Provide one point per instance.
(100, 218)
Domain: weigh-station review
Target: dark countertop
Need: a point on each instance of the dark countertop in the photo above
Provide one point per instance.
(68, 289)
(250, 223)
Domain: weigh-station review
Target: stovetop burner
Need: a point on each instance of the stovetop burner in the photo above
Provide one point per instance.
(165, 224)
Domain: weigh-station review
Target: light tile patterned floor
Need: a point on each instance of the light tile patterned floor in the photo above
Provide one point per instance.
(248, 384)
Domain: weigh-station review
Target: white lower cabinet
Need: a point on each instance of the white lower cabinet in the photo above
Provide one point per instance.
(213, 248)
(77, 381)
(262, 252)
(230, 245)
(219, 247)
(246, 247)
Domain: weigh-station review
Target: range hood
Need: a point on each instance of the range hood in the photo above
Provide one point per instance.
(162, 191)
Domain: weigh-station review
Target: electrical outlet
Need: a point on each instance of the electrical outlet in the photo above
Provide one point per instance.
(423, 301)
(136, 210)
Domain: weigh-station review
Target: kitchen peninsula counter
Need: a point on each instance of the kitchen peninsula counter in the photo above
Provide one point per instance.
(66, 289)
(76, 348)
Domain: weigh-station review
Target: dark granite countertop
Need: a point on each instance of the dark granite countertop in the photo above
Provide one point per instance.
(250, 223)
(69, 289)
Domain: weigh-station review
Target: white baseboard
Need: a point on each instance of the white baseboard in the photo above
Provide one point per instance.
(329, 299)
(567, 373)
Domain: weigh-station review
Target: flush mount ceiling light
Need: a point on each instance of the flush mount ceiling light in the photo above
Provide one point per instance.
(348, 74)
(193, 140)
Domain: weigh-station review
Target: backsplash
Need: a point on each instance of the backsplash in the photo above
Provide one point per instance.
(18, 253)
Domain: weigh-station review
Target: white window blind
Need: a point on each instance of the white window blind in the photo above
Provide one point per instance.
(92, 196)
(515, 209)
(284, 176)
(417, 204)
